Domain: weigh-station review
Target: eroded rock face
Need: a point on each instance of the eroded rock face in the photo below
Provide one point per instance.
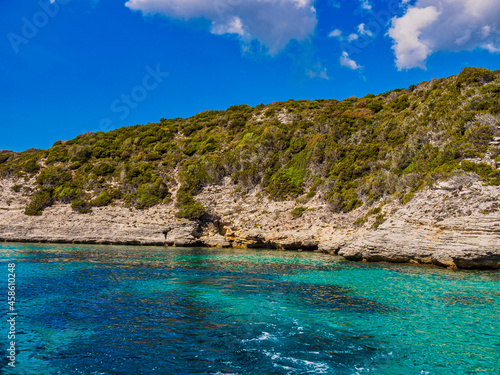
(471, 242)
(184, 234)
(454, 224)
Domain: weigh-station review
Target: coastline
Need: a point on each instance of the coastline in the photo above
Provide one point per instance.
(402, 259)
(425, 231)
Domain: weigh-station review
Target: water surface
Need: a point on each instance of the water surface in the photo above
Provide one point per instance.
(157, 310)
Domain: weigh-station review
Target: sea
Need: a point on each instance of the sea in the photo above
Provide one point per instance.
(102, 309)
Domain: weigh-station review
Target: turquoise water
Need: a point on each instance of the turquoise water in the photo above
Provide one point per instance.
(135, 310)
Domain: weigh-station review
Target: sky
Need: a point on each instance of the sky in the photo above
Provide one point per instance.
(74, 66)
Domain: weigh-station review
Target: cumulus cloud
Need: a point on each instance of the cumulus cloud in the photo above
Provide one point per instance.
(346, 61)
(365, 4)
(352, 37)
(363, 31)
(335, 34)
(411, 50)
(444, 25)
(491, 48)
(233, 26)
(274, 23)
(318, 71)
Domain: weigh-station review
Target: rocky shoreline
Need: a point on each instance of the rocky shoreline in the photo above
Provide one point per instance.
(454, 224)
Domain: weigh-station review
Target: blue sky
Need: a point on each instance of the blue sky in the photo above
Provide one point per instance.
(74, 66)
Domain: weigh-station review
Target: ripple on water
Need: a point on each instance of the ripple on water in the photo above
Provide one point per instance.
(132, 310)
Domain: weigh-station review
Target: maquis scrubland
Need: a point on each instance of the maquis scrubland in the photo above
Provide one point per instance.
(349, 153)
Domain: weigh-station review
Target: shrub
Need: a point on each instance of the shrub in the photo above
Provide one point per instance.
(103, 199)
(379, 220)
(82, 155)
(39, 201)
(31, 167)
(401, 103)
(149, 195)
(474, 75)
(190, 148)
(270, 112)
(100, 152)
(297, 144)
(191, 209)
(75, 165)
(298, 211)
(153, 156)
(311, 194)
(103, 169)
(480, 135)
(376, 106)
(106, 198)
(17, 188)
(360, 222)
(496, 108)
(345, 201)
(67, 194)
(374, 211)
(485, 171)
(407, 198)
(53, 176)
(57, 153)
(287, 184)
(81, 206)
(4, 157)
(210, 145)
(139, 174)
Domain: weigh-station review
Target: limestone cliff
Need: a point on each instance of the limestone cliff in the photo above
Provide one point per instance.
(410, 175)
(452, 224)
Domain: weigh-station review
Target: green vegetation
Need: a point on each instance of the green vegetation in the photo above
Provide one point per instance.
(17, 188)
(348, 153)
(407, 198)
(487, 173)
(40, 200)
(360, 221)
(379, 220)
(298, 211)
(82, 206)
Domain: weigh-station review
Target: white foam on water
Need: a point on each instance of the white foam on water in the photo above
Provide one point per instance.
(313, 367)
(263, 337)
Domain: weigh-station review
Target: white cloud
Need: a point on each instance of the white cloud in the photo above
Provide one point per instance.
(486, 30)
(335, 34)
(318, 72)
(352, 37)
(411, 51)
(363, 31)
(365, 4)
(444, 25)
(346, 61)
(274, 23)
(491, 48)
(234, 26)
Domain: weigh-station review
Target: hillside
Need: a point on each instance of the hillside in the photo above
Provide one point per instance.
(348, 161)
